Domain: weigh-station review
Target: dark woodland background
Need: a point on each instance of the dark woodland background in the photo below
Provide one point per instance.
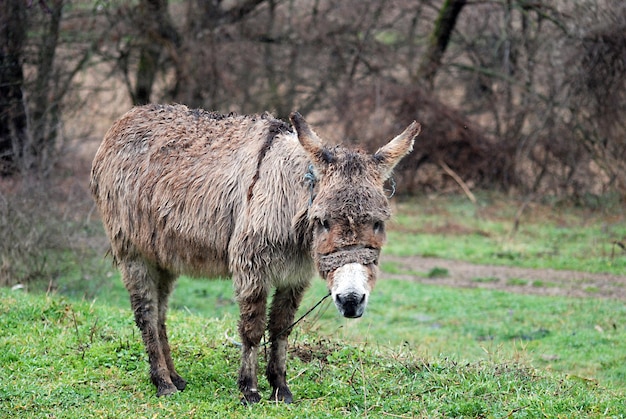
(527, 97)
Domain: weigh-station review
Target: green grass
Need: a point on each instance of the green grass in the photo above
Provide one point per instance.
(579, 337)
(548, 236)
(80, 359)
(420, 350)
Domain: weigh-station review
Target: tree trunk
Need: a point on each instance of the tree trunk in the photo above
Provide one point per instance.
(146, 72)
(158, 32)
(13, 121)
(439, 39)
(45, 107)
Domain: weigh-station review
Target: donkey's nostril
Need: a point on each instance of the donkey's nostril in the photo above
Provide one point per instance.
(351, 305)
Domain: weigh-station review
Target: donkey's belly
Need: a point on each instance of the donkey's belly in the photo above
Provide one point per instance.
(197, 262)
(295, 270)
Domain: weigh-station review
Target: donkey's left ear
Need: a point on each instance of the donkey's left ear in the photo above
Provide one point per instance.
(389, 155)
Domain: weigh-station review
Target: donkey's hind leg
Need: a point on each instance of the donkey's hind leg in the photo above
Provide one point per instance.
(142, 282)
(166, 286)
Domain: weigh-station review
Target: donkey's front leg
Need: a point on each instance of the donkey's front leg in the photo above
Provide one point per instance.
(252, 306)
(284, 306)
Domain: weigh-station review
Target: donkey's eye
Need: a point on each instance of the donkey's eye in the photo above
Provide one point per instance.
(378, 226)
(324, 224)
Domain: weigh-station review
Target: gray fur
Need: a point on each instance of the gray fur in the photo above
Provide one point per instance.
(185, 191)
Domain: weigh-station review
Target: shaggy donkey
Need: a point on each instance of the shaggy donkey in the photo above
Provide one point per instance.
(186, 191)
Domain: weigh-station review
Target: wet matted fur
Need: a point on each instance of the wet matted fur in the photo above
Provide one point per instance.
(185, 191)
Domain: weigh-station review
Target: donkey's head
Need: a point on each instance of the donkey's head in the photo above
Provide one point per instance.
(348, 211)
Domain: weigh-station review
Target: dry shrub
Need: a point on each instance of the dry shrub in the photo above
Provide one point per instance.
(28, 236)
(451, 139)
(597, 81)
(48, 241)
(448, 139)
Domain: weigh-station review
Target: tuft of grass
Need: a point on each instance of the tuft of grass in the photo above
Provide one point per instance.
(393, 269)
(81, 359)
(486, 280)
(437, 272)
(517, 282)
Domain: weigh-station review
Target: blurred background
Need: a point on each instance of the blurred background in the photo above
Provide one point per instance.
(523, 97)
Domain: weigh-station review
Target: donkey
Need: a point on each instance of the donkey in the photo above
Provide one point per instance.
(192, 192)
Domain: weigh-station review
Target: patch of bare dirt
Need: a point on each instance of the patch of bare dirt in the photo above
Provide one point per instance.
(309, 351)
(511, 279)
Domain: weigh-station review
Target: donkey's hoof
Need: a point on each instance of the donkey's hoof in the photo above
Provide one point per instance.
(281, 394)
(250, 397)
(179, 382)
(166, 390)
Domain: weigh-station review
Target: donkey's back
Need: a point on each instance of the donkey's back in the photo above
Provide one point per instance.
(176, 186)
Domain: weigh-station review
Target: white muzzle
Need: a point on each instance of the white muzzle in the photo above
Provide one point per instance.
(350, 289)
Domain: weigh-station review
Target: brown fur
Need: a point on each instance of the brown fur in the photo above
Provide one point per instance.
(186, 191)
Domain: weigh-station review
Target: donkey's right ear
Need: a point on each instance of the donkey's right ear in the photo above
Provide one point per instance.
(312, 144)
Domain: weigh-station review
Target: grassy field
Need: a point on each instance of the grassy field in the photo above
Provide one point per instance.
(548, 235)
(70, 359)
(420, 350)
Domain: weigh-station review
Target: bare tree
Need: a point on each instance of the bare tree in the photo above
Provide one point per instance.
(33, 101)
(178, 55)
(156, 34)
(498, 99)
(594, 90)
(439, 39)
(12, 106)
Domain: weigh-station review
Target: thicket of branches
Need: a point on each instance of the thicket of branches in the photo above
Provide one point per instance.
(512, 93)
(518, 95)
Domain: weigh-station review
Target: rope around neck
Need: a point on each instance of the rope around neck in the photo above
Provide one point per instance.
(285, 330)
(291, 326)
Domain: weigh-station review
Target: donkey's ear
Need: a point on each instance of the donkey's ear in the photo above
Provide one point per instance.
(309, 140)
(389, 155)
